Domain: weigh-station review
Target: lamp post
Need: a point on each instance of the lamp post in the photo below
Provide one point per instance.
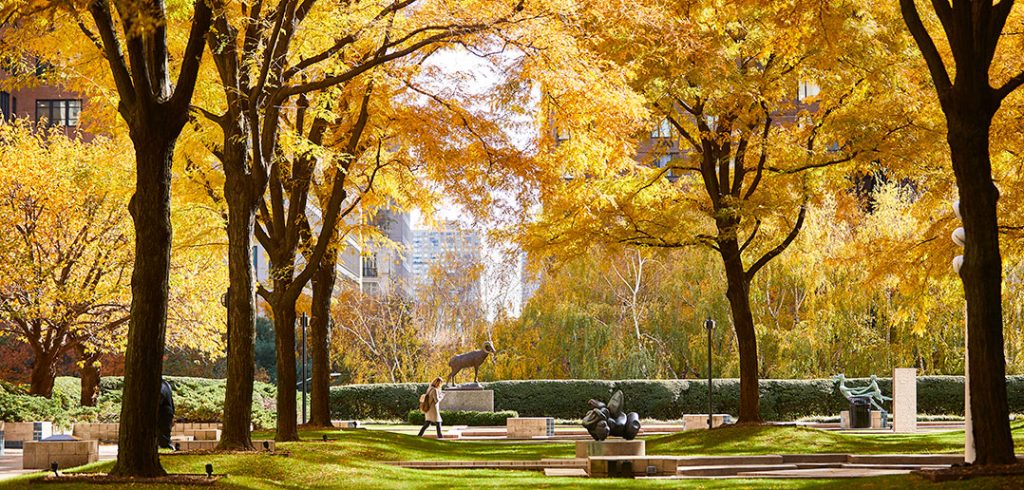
(709, 324)
(960, 238)
(304, 322)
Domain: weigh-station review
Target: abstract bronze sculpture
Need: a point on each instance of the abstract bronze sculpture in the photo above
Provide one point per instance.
(469, 360)
(609, 420)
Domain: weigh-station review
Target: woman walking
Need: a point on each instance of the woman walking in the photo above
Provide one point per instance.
(430, 404)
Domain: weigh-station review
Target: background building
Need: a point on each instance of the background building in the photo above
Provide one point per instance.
(449, 247)
(387, 266)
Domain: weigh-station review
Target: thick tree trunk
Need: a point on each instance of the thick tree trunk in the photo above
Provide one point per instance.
(284, 329)
(151, 212)
(44, 371)
(90, 374)
(241, 316)
(320, 324)
(738, 292)
(982, 278)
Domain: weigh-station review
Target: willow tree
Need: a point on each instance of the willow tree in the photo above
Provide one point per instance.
(751, 108)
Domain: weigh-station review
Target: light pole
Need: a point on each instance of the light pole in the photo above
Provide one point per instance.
(304, 322)
(960, 238)
(709, 324)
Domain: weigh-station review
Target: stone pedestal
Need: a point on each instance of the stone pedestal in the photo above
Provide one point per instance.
(844, 419)
(904, 400)
(527, 427)
(877, 420)
(38, 455)
(631, 466)
(100, 431)
(471, 400)
(611, 447)
(700, 421)
(17, 433)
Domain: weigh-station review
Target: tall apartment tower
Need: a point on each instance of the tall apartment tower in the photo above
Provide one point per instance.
(448, 246)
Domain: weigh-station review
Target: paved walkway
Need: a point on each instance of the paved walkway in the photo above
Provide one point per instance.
(10, 461)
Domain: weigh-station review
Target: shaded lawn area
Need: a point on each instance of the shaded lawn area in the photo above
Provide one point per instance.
(353, 459)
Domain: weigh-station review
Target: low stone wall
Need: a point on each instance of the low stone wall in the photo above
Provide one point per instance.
(700, 421)
(100, 431)
(39, 455)
(527, 427)
(192, 446)
(17, 433)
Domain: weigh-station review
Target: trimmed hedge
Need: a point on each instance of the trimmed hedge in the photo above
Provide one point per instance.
(464, 417)
(659, 399)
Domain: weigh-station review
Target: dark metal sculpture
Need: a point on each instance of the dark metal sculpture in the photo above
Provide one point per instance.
(609, 420)
(469, 360)
(165, 418)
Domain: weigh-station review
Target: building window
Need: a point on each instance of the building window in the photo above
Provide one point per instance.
(59, 112)
(662, 130)
(370, 266)
(5, 105)
(807, 90)
(662, 161)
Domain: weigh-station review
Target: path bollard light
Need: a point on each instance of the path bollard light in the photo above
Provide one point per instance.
(709, 324)
(209, 470)
(266, 446)
(54, 467)
(959, 237)
(325, 437)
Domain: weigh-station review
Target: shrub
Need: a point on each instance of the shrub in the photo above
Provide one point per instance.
(464, 417)
(660, 399)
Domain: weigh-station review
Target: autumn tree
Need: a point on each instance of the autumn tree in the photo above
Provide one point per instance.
(972, 77)
(747, 116)
(376, 337)
(65, 244)
(268, 57)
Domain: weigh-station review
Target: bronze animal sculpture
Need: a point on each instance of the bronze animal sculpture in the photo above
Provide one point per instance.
(469, 360)
(609, 420)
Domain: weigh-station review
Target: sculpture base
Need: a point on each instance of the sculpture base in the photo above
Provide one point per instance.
(464, 387)
(611, 447)
(469, 400)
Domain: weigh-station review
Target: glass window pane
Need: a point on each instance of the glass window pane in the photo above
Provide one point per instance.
(74, 109)
(42, 110)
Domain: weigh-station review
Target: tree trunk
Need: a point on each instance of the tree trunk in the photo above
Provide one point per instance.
(241, 306)
(320, 349)
(150, 208)
(90, 374)
(44, 371)
(968, 137)
(738, 293)
(284, 329)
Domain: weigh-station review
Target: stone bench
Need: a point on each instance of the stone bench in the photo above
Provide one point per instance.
(38, 455)
(693, 421)
(529, 427)
(100, 431)
(611, 447)
(631, 466)
(17, 433)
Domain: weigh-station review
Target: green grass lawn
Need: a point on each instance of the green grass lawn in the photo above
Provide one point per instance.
(353, 459)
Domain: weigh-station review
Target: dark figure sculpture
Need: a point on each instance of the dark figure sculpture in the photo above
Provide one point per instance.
(609, 420)
(469, 360)
(165, 419)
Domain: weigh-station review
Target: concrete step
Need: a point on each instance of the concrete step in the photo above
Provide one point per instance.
(915, 459)
(815, 458)
(730, 470)
(730, 460)
(822, 473)
(573, 472)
